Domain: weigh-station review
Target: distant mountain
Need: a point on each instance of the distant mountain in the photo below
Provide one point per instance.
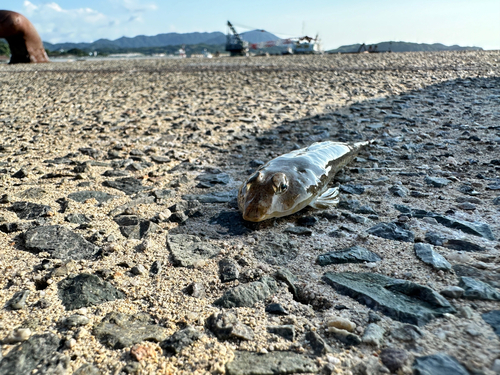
(162, 40)
(405, 47)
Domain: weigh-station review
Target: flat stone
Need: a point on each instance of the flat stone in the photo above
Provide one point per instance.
(476, 289)
(318, 344)
(391, 231)
(475, 228)
(352, 189)
(373, 335)
(214, 178)
(25, 357)
(398, 191)
(489, 277)
(129, 185)
(298, 231)
(76, 218)
(160, 159)
(187, 249)
(164, 193)
(496, 201)
(85, 290)
(401, 300)
(82, 196)
(438, 364)
(344, 336)
(277, 309)
(393, 358)
(18, 300)
(226, 326)
(452, 292)
(354, 254)
(59, 242)
(215, 197)
(181, 339)
(132, 227)
(426, 254)
(229, 270)
(462, 245)
(493, 319)
(406, 333)
(286, 331)
(246, 295)
(16, 227)
(436, 181)
(75, 321)
(276, 363)
(33, 193)
(119, 330)
(31, 211)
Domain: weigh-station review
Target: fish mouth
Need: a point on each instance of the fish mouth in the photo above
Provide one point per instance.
(253, 216)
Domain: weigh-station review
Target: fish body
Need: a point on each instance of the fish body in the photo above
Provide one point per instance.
(292, 181)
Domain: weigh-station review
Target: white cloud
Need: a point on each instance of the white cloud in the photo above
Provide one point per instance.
(134, 6)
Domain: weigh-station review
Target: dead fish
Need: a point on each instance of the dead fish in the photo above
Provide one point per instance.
(292, 181)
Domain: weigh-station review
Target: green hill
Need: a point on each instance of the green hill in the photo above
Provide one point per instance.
(405, 47)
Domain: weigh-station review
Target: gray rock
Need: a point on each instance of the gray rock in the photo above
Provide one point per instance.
(76, 218)
(373, 335)
(226, 326)
(187, 249)
(462, 245)
(181, 339)
(139, 270)
(474, 228)
(18, 300)
(407, 333)
(156, 268)
(214, 178)
(133, 227)
(247, 295)
(344, 336)
(16, 227)
(82, 196)
(215, 197)
(496, 201)
(354, 254)
(401, 300)
(493, 319)
(86, 290)
(398, 191)
(318, 344)
(299, 231)
(119, 330)
(438, 364)
(229, 270)
(355, 218)
(75, 321)
(25, 357)
(489, 277)
(120, 210)
(33, 193)
(60, 242)
(54, 364)
(352, 189)
(87, 369)
(276, 363)
(435, 238)
(164, 193)
(277, 309)
(436, 181)
(393, 358)
(31, 211)
(452, 292)
(196, 290)
(129, 185)
(426, 254)
(160, 159)
(391, 231)
(476, 289)
(286, 331)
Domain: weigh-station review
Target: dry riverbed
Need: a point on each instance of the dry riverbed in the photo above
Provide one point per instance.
(122, 250)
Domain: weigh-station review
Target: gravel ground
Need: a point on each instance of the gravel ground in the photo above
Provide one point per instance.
(194, 127)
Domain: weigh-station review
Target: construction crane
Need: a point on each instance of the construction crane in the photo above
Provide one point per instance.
(234, 44)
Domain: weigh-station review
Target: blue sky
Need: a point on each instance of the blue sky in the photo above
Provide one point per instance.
(338, 22)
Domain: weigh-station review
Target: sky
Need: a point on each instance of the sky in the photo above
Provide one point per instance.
(338, 22)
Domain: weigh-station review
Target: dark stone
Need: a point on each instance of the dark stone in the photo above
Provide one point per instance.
(279, 249)
(226, 326)
(60, 242)
(133, 227)
(76, 218)
(180, 340)
(496, 201)
(391, 231)
(247, 295)
(16, 227)
(346, 337)
(25, 357)
(115, 173)
(318, 344)
(349, 204)
(426, 254)
(18, 300)
(89, 151)
(31, 211)
(156, 267)
(436, 181)
(82, 196)
(164, 193)
(434, 238)
(407, 333)
(55, 363)
(33, 193)
(401, 300)
(286, 331)
(462, 245)
(160, 159)
(214, 178)
(398, 191)
(393, 358)
(135, 202)
(489, 277)
(20, 174)
(215, 197)
(474, 228)
(277, 309)
(290, 280)
(119, 330)
(196, 290)
(307, 221)
(276, 363)
(229, 270)
(187, 250)
(438, 364)
(75, 321)
(493, 319)
(352, 189)
(476, 289)
(86, 290)
(299, 231)
(129, 185)
(355, 254)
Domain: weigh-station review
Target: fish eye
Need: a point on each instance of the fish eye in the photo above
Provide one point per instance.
(282, 188)
(280, 183)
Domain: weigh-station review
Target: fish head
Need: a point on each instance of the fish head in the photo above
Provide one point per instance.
(265, 195)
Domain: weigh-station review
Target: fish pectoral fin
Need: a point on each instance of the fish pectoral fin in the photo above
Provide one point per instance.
(328, 199)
